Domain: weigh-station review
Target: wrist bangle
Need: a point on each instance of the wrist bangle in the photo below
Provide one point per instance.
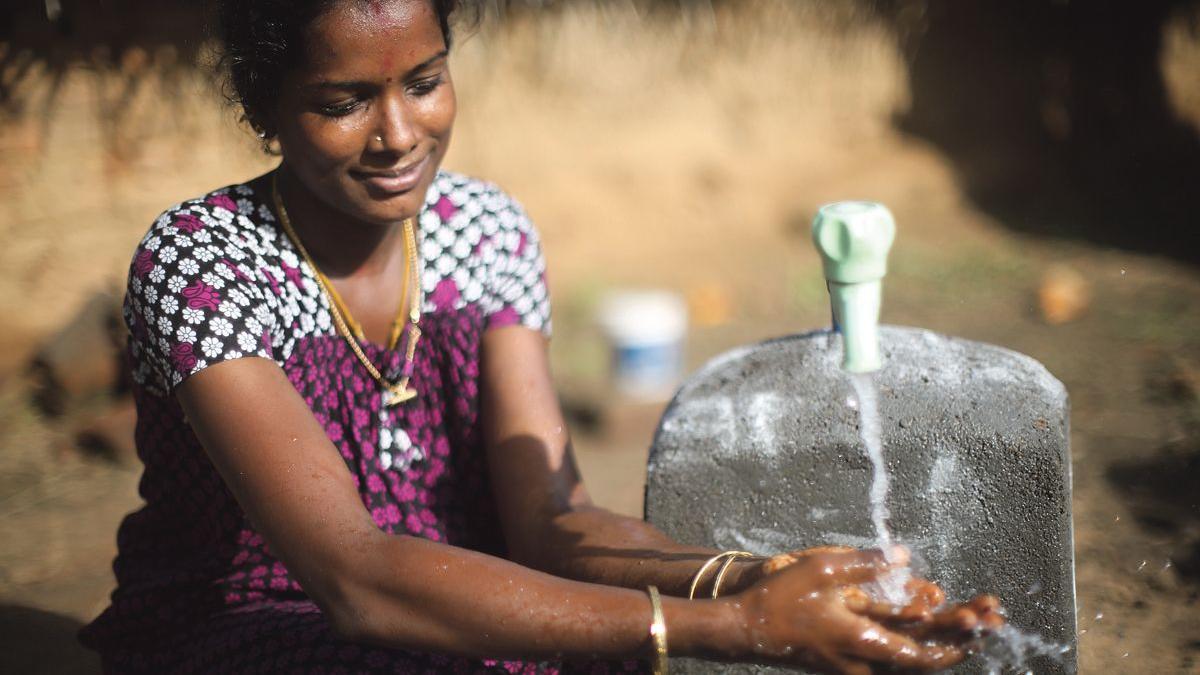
(729, 560)
(709, 564)
(658, 633)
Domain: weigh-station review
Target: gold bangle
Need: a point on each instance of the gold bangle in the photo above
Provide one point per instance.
(658, 632)
(732, 558)
(709, 564)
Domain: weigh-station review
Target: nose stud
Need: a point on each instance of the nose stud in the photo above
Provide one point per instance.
(379, 140)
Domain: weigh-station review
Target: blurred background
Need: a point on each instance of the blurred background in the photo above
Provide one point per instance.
(1040, 157)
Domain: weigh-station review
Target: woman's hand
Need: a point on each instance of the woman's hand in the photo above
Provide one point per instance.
(925, 615)
(808, 608)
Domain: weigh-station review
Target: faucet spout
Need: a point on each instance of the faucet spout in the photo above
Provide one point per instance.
(853, 239)
(856, 317)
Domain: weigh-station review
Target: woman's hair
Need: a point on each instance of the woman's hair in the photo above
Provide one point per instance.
(262, 39)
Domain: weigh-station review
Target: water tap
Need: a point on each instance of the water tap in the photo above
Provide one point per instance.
(853, 239)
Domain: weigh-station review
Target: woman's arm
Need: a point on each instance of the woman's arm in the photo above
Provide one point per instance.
(405, 591)
(549, 520)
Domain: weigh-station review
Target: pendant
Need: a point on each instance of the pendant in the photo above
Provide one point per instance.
(398, 394)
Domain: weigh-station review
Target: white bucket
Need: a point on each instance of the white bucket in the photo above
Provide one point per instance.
(645, 331)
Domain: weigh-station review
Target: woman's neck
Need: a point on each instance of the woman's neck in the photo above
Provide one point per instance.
(341, 246)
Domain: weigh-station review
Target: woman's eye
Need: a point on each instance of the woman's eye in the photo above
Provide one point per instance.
(340, 108)
(425, 86)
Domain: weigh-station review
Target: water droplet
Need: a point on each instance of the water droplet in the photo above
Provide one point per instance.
(1125, 655)
(1141, 566)
(1122, 272)
(1116, 519)
(1167, 565)
(1099, 615)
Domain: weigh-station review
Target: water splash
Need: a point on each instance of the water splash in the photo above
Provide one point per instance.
(892, 585)
(1010, 649)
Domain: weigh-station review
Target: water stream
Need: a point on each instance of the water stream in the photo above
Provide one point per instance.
(892, 585)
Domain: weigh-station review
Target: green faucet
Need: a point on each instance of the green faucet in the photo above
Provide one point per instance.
(853, 239)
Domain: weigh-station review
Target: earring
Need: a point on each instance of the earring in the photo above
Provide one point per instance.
(262, 135)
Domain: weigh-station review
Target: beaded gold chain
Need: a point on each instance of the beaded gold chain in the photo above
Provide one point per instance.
(393, 393)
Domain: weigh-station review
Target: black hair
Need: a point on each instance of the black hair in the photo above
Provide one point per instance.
(262, 39)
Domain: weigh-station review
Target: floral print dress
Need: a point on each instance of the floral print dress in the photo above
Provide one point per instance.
(216, 279)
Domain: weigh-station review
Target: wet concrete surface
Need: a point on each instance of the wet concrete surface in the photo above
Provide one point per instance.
(760, 451)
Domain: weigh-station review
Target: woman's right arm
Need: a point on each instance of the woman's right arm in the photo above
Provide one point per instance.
(401, 591)
(411, 593)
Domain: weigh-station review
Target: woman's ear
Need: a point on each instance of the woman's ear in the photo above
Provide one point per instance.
(264, 131)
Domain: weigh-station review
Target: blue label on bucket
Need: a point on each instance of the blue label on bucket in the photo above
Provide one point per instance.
(649, 364)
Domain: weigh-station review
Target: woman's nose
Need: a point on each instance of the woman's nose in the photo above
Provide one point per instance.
(395, 131)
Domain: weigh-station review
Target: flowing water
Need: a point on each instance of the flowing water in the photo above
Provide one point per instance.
(892, 585)
(1007, 649)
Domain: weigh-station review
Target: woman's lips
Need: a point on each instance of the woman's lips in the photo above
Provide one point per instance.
(397, 181)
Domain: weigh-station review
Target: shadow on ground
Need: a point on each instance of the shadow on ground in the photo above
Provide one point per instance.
(1057, 116)
(1163, 493)
(36, 641)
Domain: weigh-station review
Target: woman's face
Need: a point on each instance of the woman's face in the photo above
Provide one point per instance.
(365, 118)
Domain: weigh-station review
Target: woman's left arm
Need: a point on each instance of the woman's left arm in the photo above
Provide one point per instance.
(549, 520)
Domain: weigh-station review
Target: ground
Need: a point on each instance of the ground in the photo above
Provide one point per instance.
(665, 166)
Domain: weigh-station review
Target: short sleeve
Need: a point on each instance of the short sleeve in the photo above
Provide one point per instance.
(516, 292)
(193, 299)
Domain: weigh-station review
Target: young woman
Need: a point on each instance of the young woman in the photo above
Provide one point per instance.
(354, 457)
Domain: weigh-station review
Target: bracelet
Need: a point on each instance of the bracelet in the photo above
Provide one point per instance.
(729, 557)
(733, 556)
(658, 633)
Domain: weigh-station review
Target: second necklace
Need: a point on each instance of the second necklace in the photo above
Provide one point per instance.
(397, 392)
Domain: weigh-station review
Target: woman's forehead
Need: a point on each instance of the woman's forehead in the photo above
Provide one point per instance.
(372, 35)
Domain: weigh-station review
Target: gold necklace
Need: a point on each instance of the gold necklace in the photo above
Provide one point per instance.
(393, 393)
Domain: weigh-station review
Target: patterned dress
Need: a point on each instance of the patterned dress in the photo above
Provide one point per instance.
(216, 279)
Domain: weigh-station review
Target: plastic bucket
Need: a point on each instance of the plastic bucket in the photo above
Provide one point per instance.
(645, 332)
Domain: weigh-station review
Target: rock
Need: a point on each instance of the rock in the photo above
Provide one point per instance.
(1064, 294)
(110, 432)
(759, 451)
(82, 360)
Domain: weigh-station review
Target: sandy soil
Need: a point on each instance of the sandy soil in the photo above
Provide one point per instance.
(646, 162)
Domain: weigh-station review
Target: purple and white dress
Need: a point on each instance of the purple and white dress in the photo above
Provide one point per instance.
(216, 279)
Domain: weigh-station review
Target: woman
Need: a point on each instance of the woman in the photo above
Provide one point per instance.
(335, 484)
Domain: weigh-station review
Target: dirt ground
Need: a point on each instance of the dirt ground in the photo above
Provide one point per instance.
(646, 162)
